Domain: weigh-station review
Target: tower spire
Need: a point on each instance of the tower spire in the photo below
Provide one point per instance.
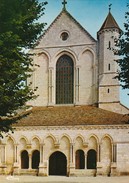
(64, 4)
(110, 7)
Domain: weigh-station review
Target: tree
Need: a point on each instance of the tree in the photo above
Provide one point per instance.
(123, 52)
(19, 30)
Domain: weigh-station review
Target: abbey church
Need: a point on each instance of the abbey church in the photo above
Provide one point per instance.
(77, 125)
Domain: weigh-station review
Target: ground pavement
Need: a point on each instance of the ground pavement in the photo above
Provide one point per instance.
(61, 179)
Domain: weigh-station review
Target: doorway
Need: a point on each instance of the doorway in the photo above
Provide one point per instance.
(57, 164)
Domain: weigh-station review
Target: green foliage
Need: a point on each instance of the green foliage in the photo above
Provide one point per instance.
(123, 52)
(19, 30)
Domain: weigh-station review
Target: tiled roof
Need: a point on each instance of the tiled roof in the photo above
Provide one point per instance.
(70, 115)
(109, 22)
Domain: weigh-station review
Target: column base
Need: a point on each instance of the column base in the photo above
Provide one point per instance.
(114, 169)
(16, 169)
(3, 168)
(51, 105)
(43, 169)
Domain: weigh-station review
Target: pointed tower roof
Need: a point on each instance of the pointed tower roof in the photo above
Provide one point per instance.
(109, 23)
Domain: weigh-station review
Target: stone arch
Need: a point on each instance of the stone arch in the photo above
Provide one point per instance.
(52, 136)
(79, 159)
(88, 49)
(67, 136)
(65, 145)
(68, 52)
(93, 142)
(35, 142)
(49, 145)
(108, 136)
(57, 163)
(81, 137)
(23, 142)
(12, 138)
(44, 52)
(78, 142)
(24, 159)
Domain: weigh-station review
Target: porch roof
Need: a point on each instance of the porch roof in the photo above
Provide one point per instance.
(70, 116)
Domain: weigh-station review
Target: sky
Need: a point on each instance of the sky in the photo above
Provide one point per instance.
(91, 15)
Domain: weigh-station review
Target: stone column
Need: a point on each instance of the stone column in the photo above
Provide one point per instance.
(30, 161)
(98, 153)
(71, 153)
(41, 166)
(15, 153)
(72, 159)
(99, 165)
(114, 159)
(3, 159)
(15, 166)
(4, 154)
(50, 86)
(0, 154)
(86, 160)
(41, 153)
(77, 85)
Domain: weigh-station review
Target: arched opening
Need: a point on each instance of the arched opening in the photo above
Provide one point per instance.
(64, 80)
(57, 164)
(35, 159)
(80, 159)
(91, 159)
(24, 160)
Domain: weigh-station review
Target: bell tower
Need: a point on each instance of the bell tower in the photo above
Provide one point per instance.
(108, 85)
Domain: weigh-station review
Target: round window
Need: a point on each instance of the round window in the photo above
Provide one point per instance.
(64, 36)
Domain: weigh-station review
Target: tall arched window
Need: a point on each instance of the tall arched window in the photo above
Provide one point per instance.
(80, 159)
(24, 160)
(91, 159)
(64, 80)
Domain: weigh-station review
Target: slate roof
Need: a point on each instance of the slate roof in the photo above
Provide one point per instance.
(70, 115)
(109, 22)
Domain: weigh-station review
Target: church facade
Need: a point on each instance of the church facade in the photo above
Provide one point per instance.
(76, 126)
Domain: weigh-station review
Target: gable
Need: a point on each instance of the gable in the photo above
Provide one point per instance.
(64, 22)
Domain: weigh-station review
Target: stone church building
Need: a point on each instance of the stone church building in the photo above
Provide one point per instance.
(77, 125)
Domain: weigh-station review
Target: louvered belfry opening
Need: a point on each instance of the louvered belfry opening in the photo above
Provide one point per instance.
(64, 80)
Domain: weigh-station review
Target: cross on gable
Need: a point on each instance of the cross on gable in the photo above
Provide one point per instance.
(64, 4)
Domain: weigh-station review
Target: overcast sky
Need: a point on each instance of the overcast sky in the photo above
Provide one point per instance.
(90, 14)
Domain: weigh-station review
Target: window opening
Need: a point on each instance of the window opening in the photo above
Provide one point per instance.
(64, 80)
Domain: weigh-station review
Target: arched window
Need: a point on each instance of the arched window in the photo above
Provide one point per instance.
(91, 159)
(35, 159)
(64, 80)
(24, 160)
(80, 159)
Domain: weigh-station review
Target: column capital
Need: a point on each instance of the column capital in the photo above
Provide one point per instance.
(51, 68)
(78, 66)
